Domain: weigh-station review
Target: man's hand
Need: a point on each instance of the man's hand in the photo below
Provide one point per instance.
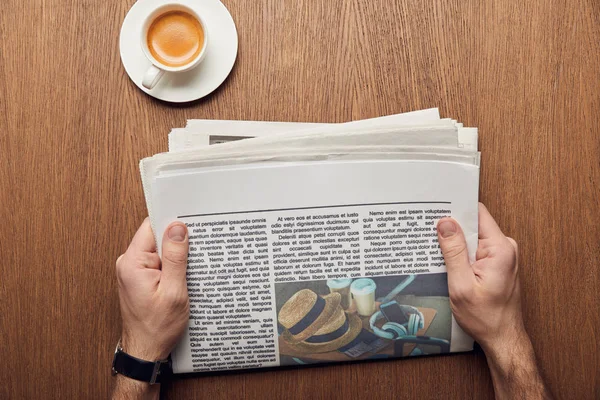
(154, 299)
(485, 296)
(486, 302)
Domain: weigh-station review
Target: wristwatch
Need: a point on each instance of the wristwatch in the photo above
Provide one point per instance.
(141, 370)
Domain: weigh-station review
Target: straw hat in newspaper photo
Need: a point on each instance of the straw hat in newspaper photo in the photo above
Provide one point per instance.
(327, 335)
(305, 313)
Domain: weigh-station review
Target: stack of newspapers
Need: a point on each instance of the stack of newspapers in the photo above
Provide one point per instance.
(313, 242)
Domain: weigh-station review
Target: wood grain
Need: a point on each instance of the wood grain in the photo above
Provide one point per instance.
(73, 127)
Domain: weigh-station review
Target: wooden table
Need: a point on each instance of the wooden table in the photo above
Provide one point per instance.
(73, 128)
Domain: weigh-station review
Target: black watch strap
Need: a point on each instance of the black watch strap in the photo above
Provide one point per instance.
(141, 370)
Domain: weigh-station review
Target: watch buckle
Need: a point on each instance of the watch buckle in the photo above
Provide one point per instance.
(113, 370)
(156, 370)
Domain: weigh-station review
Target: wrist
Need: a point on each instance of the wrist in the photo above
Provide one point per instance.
(142, 349)
(127, 388)
(502, 351)
(514, 369)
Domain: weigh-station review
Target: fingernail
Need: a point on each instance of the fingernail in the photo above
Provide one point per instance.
(177, 233)
(447, 229)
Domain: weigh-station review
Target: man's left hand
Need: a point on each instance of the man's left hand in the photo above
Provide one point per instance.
(154, 299)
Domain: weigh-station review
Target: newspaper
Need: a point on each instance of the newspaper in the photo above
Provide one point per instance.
(200, 133)
(312, 247)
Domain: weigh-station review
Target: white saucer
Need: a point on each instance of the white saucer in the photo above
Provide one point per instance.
(221, 52)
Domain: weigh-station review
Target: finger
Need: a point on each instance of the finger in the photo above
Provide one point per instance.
(488, 228)
(513, 244)
(454, 248)
(147, 260)
(143, 240)
(174, 256)
(132, 261)
(482, 252)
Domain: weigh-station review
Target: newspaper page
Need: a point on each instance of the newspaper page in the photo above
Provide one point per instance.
(199, 133)
(302, 263)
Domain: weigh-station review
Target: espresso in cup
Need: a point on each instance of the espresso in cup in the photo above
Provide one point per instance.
(175, 38)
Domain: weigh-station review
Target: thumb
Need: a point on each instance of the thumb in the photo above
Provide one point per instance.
(174, 255)
(454, 248)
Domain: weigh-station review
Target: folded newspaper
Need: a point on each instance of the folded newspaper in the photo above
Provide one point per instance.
(315, 243)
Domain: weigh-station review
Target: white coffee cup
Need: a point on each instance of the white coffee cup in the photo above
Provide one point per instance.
(363, 291)
(158, 69)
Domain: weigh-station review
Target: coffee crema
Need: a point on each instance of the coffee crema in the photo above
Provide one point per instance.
(175, 38)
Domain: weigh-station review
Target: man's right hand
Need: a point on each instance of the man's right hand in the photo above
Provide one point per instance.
(485, 297)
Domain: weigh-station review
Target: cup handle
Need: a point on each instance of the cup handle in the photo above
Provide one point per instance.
(152, 77)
